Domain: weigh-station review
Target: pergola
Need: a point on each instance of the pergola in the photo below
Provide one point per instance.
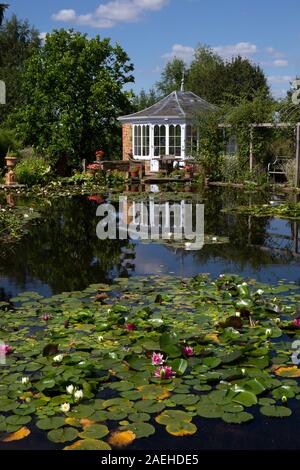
(164, 129)
(271, 125)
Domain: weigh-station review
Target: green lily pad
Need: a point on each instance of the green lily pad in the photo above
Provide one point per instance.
(62, 434)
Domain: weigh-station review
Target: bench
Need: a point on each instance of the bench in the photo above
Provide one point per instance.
(276, 167)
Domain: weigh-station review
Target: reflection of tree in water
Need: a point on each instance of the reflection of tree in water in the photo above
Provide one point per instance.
(64, 251)
(246, 234)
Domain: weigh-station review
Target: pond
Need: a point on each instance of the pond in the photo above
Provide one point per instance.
(62, 254)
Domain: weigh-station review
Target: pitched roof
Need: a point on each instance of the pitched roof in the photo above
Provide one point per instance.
(178, 104)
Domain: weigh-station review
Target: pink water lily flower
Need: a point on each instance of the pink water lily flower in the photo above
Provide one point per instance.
(164, 372)
(45, 317)
(157, 359)
(130, 326)
(188, 351)
(297, 322)
(5, 349)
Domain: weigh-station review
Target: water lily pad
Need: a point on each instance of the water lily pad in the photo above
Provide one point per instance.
(275, 411)
(62, 434)
(237, 418)
(89, 444)
(51, 423)
(94, 431)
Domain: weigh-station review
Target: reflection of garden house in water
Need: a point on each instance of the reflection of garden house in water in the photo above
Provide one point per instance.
(166, 128)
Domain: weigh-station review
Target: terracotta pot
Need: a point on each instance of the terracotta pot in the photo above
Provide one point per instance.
(134, 174)
(11, 161)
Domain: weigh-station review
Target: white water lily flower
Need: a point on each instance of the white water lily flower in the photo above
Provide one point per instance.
(243, 371)
(25, 380)
(277, 320)
(58, 358)
(268, 332)
(70, 389)
(244, 284)
(81, 363)
(65, 407)
(26, 216)
(237, 314)
(78, 395)
(214, 239)
(100, 338)
(260, 292)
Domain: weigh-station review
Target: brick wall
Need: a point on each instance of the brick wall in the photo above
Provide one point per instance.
(126, 140)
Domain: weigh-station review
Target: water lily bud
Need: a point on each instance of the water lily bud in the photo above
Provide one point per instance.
(268, 332)
(100, 338)
(244, 284)
(25, 380)
(284, 399)
(237, 314)
(243, 371)
(277, 320)
(70, 389)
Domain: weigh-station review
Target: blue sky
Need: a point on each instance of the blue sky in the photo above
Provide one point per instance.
(151, 31)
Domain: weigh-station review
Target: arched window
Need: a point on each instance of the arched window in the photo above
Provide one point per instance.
(159, 140)
(141, 137)
(175, 140)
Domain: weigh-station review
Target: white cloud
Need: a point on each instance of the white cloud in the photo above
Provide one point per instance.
(280, 79)
(186, 53)
(241, 48)
(65, 15)
(111, 13)
(273, 52)
(280, 63)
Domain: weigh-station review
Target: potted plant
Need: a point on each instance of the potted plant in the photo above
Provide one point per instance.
(92, 168)
(11, 159)
(189, 171)
(134, 171)
(99, 155)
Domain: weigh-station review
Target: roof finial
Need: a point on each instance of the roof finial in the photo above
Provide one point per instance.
(182, 81)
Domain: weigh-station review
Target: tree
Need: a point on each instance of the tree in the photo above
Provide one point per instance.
(171, 77)
(206, 75)
(244, 80)
(145, 100)
(18, 41)
(217, 81)
(74, 92)
(3, 7)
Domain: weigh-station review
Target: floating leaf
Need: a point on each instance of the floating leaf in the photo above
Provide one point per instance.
(292, 371)
(89, 444)
(276, 411)
(94, 431)
(50, 423)
(62, 434)
(18, 435)
(121, 438)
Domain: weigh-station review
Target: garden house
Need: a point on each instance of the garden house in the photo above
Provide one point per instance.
(166, 128)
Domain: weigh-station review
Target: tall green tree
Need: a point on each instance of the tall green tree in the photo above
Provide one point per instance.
(3, 7)
(214, 79)
(244, 80)
(144, 100)
(18, 41)
(171, 77)
(206, 75)
(74, 94)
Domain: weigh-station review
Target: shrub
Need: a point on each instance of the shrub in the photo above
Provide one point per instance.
(8, 142)
(32, 170)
